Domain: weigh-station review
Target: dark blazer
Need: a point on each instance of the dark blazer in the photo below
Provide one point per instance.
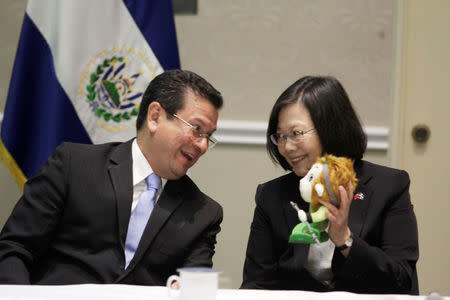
(70, 225)
(385, 247)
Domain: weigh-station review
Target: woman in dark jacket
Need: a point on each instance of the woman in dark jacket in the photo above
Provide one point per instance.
(373, 245)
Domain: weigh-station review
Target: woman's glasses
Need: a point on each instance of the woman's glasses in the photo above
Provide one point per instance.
(296, 136)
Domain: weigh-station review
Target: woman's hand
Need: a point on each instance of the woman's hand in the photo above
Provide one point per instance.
(338, 217)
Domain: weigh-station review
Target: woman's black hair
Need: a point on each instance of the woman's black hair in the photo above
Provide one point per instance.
(336, 122)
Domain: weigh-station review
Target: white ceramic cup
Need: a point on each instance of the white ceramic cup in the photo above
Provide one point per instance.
(195, 284)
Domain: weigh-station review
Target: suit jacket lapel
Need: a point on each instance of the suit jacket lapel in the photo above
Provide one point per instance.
(360, 206)
(289, 193)
(169, 200)
(121, 174)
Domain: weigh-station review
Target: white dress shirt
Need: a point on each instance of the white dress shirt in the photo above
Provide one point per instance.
(141, 169)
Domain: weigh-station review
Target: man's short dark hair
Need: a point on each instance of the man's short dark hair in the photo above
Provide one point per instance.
(169, 89)
(336, 122)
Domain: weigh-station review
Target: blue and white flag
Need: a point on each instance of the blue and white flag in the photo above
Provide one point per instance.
(80, 71)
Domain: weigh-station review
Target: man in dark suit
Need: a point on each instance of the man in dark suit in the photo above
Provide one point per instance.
(71, 225)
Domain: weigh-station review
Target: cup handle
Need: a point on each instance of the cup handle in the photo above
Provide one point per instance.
(172, 292)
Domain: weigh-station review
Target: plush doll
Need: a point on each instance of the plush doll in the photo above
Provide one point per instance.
(321, 183)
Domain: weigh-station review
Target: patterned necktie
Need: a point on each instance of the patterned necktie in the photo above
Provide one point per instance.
(139, 217)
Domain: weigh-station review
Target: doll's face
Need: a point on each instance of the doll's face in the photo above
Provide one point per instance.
(306, 183)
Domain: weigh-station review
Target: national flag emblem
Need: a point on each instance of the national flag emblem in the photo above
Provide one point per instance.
(79, 75)
(113, 85)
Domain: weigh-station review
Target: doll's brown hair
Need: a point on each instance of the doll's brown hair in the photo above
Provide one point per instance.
(340, 172)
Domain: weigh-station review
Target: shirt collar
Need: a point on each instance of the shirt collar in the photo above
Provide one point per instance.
(141, 167)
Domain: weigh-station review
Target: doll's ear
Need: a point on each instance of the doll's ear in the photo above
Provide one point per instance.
(319, 189)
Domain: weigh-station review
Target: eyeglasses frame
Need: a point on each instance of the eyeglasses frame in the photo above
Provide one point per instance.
(211, 140)
(285, 137)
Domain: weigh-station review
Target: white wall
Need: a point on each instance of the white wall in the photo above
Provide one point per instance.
(11, 16)
(252, 50)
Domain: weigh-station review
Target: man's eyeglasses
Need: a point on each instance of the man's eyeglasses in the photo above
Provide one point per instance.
(296, 136)
(196, 131)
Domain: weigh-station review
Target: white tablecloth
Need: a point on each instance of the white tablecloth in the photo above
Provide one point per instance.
(131, 292)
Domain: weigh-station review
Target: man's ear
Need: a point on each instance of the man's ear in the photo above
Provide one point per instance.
(154, 114)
